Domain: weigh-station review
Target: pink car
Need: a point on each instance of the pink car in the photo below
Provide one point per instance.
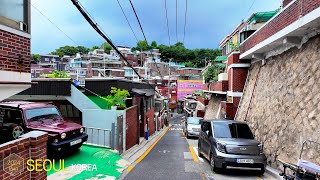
(19, 117)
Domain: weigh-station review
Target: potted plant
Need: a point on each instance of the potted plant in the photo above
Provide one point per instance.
(117, 98)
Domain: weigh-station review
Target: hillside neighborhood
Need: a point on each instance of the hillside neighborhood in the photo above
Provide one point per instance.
(248, 109)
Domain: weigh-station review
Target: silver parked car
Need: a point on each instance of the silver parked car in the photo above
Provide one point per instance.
(230, 143)
(192, 126)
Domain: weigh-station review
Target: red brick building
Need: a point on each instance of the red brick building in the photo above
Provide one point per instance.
(230, 84)
(14, 48)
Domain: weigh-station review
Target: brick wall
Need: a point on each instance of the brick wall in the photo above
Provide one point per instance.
(14, 52)
(284, 19)
(234, 58)
(132, 127)
(33, 146)
(285, 2)
(150, 115)
(239, 76)
(235, 104)
(231, 108)
(220, 86)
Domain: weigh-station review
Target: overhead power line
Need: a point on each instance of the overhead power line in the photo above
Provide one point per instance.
(138, 21)
(94, 25)
(250, 7)
(177, 20)
(127, 20)
(53, 23)
(165, 6)
(185, 21)
(144, 34)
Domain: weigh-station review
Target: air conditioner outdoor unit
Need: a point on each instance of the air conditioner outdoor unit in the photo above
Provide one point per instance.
(23, 26)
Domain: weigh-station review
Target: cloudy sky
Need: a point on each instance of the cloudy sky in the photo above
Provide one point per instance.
(208, 21)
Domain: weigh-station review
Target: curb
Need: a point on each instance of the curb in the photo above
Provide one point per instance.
(148, 144)
(273, 172)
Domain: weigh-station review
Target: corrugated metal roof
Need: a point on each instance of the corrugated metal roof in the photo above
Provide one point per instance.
(263, 16)
(221, 58)
(145, 92)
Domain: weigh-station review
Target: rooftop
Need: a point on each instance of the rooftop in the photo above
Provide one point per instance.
(221, 58)
(24, 104)
(262, 16)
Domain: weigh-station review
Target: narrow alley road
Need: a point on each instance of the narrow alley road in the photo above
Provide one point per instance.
(171, 158)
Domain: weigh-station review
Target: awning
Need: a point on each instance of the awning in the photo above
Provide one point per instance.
(144, 92)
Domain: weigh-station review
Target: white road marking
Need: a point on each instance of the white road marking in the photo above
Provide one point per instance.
(187, 155)
(175, 129)
(164, 151)
(196, 151)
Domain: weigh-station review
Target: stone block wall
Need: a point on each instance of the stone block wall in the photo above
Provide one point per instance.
(32, 145)
(285, 105)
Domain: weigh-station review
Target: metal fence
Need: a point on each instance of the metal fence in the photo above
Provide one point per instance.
(100, 137)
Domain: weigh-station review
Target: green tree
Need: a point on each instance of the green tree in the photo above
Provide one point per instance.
(65, 50)
(212, 73)
(153, 45)
(82, 50)
(189, 64)
(106, 47)
(35, 57)
(142, 45)
(95, 47)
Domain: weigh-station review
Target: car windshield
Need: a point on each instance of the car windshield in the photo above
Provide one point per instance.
(42, 113)
(232, 130)
(194, 120)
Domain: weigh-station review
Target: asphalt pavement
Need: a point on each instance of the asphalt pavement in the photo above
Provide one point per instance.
(169, 159)
(175, 157)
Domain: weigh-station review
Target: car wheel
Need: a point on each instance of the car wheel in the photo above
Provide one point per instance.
(213, 164)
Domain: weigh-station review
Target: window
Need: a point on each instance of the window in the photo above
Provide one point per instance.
(193, 120)
(206, 127)
(41, 112)
(10, 116)
(12, 12)
(232, 130)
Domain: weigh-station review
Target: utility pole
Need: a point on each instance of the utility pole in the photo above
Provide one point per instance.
(168, 109)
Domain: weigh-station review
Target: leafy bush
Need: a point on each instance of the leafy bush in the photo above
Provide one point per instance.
(57, 74)
(212, 73)
(117, 97)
